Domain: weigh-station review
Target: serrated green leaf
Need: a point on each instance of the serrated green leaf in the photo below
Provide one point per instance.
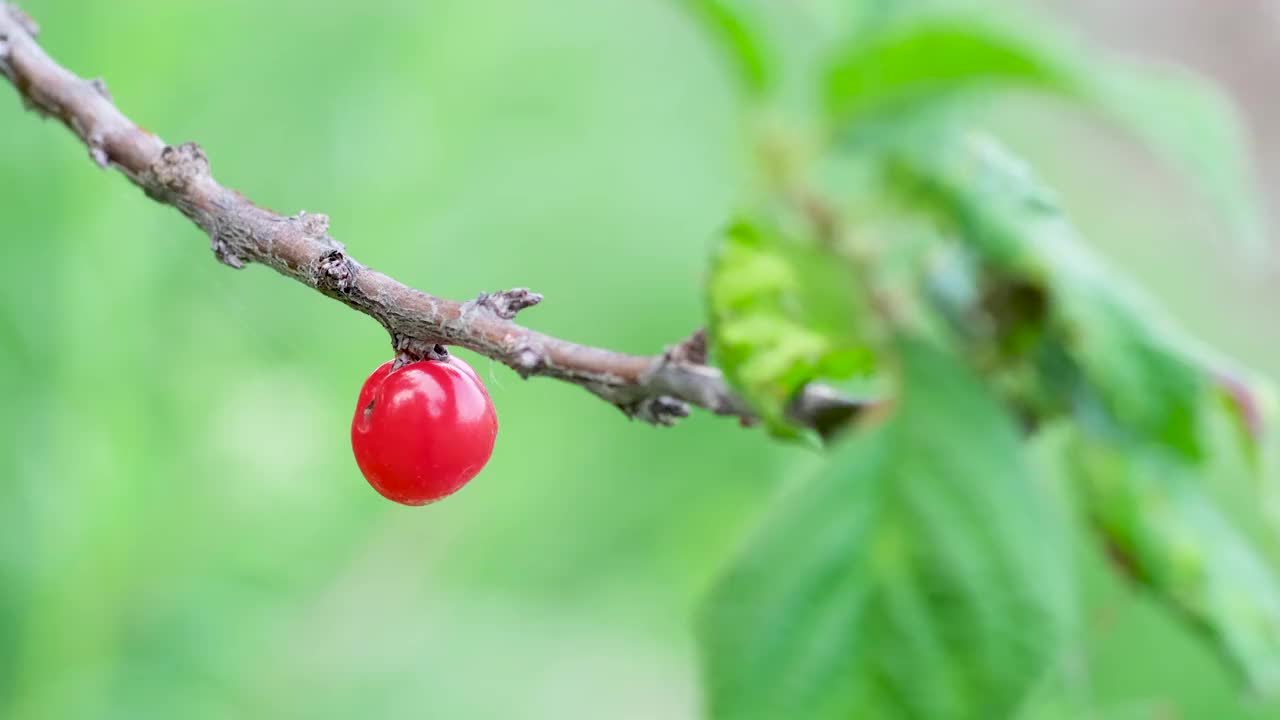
(921, 575)
(783, 312)
(921, 65)
(1157, 417)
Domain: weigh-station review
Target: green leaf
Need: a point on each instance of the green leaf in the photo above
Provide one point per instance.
(921, 575)
(774, 45)
(739, 31)
(918, 66)
(783, 312)
(1164, 531)
(1147, 375)
(1163, 429)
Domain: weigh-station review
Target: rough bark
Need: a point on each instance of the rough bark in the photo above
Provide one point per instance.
(656, 389)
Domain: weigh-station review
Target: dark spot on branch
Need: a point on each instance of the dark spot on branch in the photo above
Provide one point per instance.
(336, 270)
(507, 303)
(826, 410)
(829, 421)
(661, 410)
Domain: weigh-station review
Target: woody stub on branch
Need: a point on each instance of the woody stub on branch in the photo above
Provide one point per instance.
(658, 389)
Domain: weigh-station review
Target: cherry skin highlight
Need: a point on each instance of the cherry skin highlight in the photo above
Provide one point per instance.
(421, 432)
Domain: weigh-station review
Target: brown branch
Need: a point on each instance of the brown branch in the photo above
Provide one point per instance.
(656, 389)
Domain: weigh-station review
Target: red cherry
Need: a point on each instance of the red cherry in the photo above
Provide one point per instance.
(421, 432)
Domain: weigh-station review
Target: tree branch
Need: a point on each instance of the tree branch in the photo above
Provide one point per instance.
(656, 389)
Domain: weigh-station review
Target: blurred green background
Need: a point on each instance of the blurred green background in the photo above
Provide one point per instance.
(183, 531)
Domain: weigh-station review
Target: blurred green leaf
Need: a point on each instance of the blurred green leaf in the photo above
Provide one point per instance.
(922, 64)
(918, 64)
(1149, 376)
(1159, 415)
(784, 312)
(921, 575)
(739, 29)
(1195, 127)
(1161, 528)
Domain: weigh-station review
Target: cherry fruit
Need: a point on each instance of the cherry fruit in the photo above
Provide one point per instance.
(422, 431)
